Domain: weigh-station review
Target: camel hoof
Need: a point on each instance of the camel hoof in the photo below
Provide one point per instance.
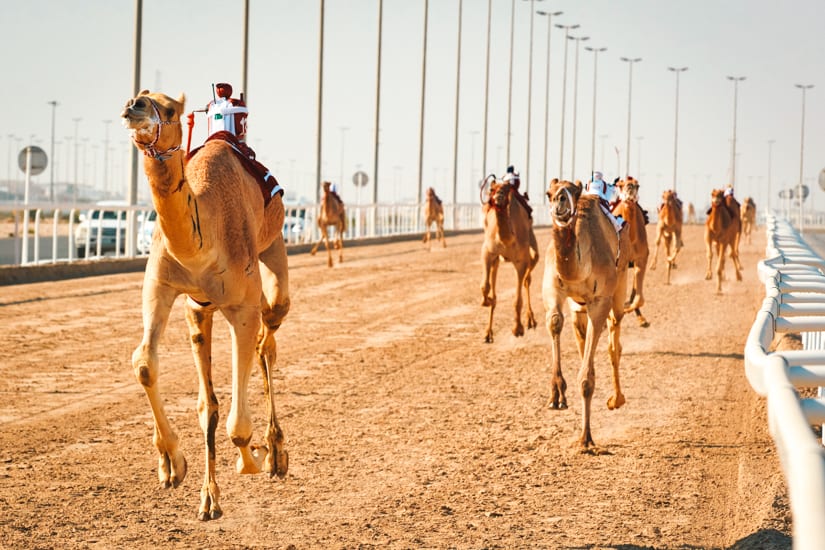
(615, 401)
(279, 466)
(644, 324)
(488, 339)
(518, 330)
(558, 406)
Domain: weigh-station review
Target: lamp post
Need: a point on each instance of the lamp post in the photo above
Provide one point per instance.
(567, 29)
(603, 137)
(577, 40)
(51, 164)
(596, 52)
(736, 80)
(529, 97)
(419, 197)
(319, 121)
(510, 78)
(457, 102)
(770, 159)
(630, 62)
(676, 70)
(549, 16)
(486, 93)
(377, 104)
(804, 88)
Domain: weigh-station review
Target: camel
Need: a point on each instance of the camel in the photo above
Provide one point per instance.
(721, 232)
(508, 235)
(668, 231)
(586, 266)
(434, 213)
(220, 244)
(748, 217)
(631, 211)
(735, 210)
(331, 213)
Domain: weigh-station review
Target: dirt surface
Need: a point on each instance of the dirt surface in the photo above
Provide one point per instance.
(404, 429)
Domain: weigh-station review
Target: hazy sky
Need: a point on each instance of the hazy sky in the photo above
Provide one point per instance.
(80, 54)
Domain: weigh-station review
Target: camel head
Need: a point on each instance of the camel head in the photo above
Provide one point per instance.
(430, 192)
(563, 197)
(629, 189)
(717, 197)
(154, 122)
(500, 195)
(326, 186)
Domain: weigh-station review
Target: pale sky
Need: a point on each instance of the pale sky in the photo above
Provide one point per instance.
(80, 55)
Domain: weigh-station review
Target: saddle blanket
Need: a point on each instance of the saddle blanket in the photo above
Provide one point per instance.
(266, 181)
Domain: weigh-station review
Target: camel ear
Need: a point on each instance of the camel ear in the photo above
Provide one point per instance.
(182, 100)
(144, 92)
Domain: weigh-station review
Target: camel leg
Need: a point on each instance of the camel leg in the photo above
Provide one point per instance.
(614, 344)
(656, 249)
(531, 318)
(441, 235)
(199, 320)
(488, 292)
(244, 322)
(596, 316)
(426, 239)
(579, 326)
(340, 244)
(275, 306)
(157, 303)
(709, 256)
(554, 319)
(720, 266)
(518, 327)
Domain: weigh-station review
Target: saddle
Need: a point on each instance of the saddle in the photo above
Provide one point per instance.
(267, 183)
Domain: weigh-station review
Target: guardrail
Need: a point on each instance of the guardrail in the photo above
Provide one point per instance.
(794, 277)
(69, 241)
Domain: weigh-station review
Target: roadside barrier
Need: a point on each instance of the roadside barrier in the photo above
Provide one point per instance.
(794, 277)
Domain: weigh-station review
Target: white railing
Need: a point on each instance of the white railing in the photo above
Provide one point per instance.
(794, 277)
(68, 242)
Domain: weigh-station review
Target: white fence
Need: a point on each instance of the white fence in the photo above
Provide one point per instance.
(794, 277)
(54, 233)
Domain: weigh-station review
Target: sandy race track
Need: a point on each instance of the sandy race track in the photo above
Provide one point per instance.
(404, 429)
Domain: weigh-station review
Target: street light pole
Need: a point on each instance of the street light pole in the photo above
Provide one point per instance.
(319, 121)
(630, 63)
(510, 79)
(377, 104)
(529, 98)
(106, 184)
(770, 159)
(736, 80)
(457, 102)
(51, 164)
(567, 29)
(804, 88)
(639, 156)
(486, 93)
(676, 70)
(596, 52)
(419, 198)
(550, 16)
(577, 40)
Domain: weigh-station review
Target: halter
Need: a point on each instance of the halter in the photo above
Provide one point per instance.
(573, 212)
(149, 150)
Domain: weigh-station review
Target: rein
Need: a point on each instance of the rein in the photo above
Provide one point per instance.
(149, 149)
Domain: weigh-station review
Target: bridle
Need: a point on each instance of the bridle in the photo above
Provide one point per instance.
(149, 149)
(573, 211)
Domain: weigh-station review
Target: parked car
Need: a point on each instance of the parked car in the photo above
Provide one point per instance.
(146, 226)
(295, 223)
(106, 220)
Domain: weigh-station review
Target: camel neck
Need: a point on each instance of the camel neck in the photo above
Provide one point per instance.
(175, 204)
